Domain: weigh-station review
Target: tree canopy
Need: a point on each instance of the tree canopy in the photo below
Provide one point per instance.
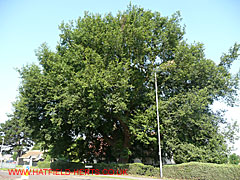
(17, 135)
(93, 97)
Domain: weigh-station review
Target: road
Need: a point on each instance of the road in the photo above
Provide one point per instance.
(4, 175)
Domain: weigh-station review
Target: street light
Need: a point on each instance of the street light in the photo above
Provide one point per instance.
(159, 139)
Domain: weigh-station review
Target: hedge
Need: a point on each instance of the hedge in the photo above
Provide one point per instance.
(60, 164)
(43, 164)
(114, 166)
(192, 170)
(202, 171)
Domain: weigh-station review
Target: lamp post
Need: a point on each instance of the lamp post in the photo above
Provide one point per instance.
(159, 139)
(1, 150)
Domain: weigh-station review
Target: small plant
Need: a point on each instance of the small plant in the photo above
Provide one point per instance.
(234, 159)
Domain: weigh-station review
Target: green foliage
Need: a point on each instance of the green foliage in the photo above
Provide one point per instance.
(43, 164)
(189, 152)
(37, 146)
(93, 97)
(114, 166)
(15, 155)
(202, 171)
(60, 164)
(143, 170)
(17, 135)
(192, 170)
(234, 159)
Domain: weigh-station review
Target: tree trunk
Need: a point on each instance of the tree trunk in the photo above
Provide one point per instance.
(126, 142)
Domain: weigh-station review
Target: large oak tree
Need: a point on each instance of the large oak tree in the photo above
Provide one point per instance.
(93, 97)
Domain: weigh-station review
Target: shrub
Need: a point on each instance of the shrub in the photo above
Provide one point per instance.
(202, 171)
(60, 164)
(114, 166)
(192, 170)
(43, 164)
(234, 159)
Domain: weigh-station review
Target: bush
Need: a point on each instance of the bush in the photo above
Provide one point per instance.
(43, 164)
(234, 159)
(193, 170)
(202, 171)
(115, 167)
(141, 169)
(60, 164)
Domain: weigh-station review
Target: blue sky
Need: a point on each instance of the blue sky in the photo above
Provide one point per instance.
(26, 24)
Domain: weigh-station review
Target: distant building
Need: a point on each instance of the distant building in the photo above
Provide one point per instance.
(7, 157)
(31, 158)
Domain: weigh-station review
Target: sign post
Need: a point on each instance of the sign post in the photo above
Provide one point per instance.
(27, 172)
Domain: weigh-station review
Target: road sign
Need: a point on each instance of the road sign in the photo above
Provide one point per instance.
(27, 171)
